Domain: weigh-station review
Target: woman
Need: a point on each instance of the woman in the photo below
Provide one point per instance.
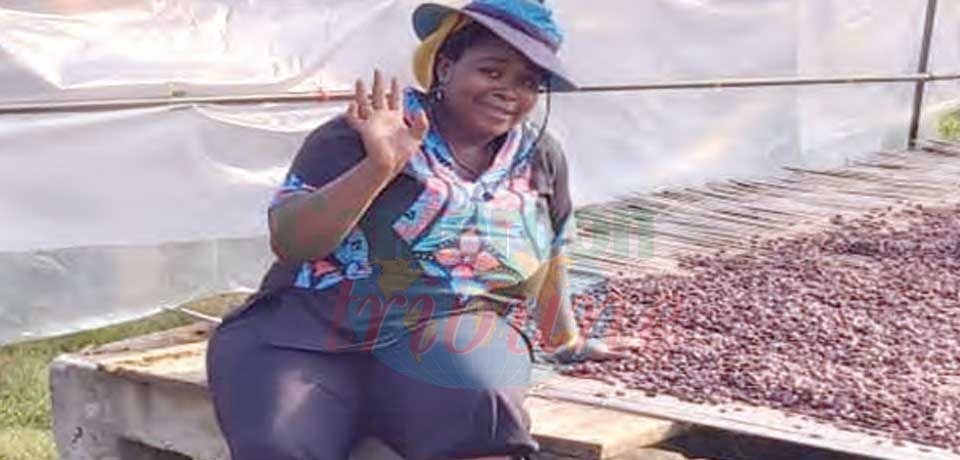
(412, 234)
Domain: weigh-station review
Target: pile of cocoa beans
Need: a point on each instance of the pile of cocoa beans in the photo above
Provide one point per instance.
(857, 325)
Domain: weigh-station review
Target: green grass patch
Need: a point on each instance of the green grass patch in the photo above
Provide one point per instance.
(26, 444)
(948, 126)
(25, 418)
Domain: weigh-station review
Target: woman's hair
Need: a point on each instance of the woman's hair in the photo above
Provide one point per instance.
(461, 40)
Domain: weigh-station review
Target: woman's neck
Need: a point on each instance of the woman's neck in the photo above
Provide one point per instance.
(470, 150)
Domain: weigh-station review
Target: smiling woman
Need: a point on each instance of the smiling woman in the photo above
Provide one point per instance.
(414, 236)
(476, 108)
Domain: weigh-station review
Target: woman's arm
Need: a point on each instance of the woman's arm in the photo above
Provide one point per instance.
(308, 226)
(558, 325)
(554, 313)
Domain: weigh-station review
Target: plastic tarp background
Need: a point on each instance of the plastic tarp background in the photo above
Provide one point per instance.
(943, 97)
(110, 215)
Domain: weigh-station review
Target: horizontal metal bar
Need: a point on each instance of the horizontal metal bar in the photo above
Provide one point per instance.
(345, 95)
(136, 103)
(945, 76)
(762, 82)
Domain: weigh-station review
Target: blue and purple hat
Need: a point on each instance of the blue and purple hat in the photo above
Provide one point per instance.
(527, 25)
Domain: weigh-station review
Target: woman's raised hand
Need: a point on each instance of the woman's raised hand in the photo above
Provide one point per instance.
(387, 138)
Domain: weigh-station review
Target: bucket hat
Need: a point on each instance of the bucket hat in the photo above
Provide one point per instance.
(527, 25)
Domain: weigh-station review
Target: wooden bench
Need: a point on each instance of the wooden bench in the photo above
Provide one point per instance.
(146, 399)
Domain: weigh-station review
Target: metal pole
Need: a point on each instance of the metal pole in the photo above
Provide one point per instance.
(760, 82)
(946, 76)
(923, 66)
(345, 95)
(136, 103)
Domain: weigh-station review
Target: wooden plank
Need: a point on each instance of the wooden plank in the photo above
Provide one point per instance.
(651, 454)
(719, 216)
(802, 201)
(589, 432)
(739, 418)
(183, 364)
(564, 429)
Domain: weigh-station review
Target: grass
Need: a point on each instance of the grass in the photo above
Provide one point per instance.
(25, 418)
(26, 444)
(948, 126)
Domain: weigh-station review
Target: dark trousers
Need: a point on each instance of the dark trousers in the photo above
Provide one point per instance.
(446, 401)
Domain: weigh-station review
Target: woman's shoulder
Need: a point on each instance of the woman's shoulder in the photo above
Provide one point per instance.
(334, 140)
(335, 132)
(328, 151)
(551, 178)
(549, 157)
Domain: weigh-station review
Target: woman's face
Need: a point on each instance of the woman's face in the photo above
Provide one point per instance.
(490, 89)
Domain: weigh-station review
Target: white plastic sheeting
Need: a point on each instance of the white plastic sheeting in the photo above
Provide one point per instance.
(943, 97)
(109, 215)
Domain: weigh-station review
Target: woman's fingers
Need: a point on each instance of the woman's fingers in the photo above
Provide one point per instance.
(591, 350)
(381, 98)
(625, 343)
(364, 106)
(361, 100)
(613, 354)
(394, 100)
(353, 116)
(378, 101)
(618, 347)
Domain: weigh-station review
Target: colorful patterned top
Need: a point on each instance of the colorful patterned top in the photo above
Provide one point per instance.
(431, 244)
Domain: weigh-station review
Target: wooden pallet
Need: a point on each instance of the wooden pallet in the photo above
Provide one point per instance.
(566, 430)
(648, 233)
(744, 419)
(663, 227)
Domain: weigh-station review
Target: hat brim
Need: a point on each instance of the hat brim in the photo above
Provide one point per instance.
(427, 17)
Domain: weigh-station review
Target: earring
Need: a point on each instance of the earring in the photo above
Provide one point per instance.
(436, 94)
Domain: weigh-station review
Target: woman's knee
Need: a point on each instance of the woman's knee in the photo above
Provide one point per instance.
(229, 348)
(274, 403)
